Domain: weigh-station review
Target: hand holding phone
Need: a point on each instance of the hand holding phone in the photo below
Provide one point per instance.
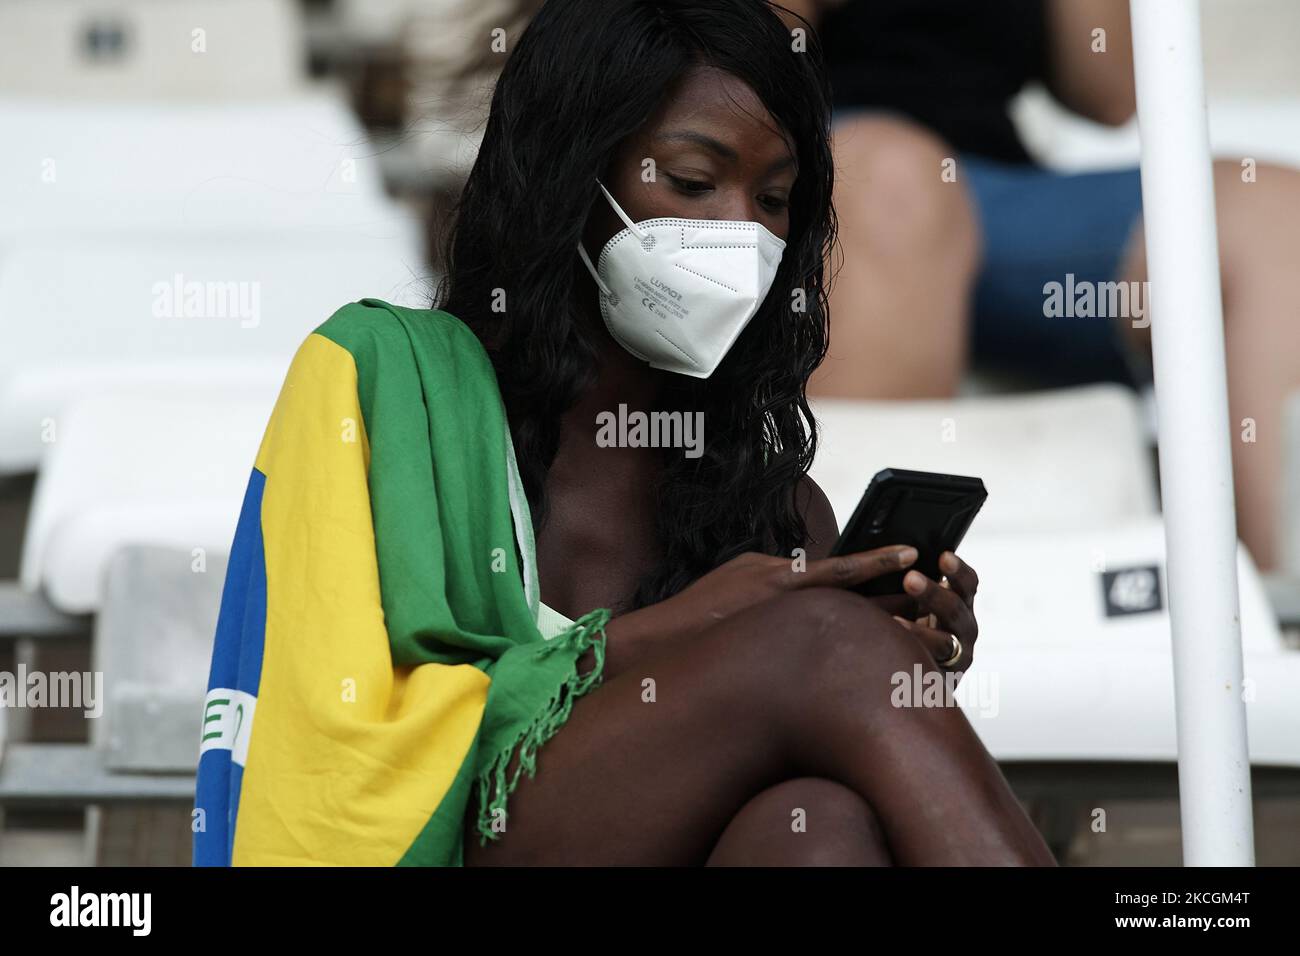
(929, 511)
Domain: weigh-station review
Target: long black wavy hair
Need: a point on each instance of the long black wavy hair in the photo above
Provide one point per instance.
(584, 75)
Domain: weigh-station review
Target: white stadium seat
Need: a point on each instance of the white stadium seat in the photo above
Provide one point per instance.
(1074, 650)
(1058, 460)
(301, 164)
(154, 637)
(81, 316)
(189, 50)
(1076, 675)
(167, 469)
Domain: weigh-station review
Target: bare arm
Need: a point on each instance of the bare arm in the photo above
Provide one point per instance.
(810, 10)
(743, 582)
(1097, 85)
(819, 517)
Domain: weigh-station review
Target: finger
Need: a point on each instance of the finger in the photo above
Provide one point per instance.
(899, 605)
(961, 577)
(936, 642)
(951, 612)
(846, 570)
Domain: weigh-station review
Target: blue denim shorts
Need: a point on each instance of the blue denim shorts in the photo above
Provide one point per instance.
(1038, 227)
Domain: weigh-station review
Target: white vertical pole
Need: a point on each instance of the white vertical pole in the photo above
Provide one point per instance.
(1195, 451)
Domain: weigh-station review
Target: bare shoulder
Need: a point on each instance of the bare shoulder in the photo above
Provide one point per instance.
(819, 516)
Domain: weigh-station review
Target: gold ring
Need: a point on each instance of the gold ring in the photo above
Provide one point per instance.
(956, 652)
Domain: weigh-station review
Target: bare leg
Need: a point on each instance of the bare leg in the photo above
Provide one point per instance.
(901, 297)
(653, 766)
(1259, 243)
(808, 821)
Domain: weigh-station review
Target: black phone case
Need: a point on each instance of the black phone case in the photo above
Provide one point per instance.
(929, 511)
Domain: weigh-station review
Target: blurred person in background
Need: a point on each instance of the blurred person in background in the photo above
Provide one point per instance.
(940, 271)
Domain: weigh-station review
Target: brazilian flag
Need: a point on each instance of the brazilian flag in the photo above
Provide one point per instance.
(377, 653)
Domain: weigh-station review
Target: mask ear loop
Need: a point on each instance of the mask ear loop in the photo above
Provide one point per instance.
(632, 227)
(636, 230)
(600, 283)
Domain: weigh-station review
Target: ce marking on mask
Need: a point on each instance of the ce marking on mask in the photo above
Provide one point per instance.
(660, 299)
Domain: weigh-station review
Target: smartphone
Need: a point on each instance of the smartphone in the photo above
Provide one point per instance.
(929, 511)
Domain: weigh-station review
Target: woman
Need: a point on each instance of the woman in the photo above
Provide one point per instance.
(655, 179)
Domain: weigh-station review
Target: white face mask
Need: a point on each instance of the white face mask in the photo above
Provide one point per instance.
(677, 293)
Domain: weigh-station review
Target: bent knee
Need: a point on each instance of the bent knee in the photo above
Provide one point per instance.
(830, 823)
(815, 799)
(817, 630)
(1257, 221)
(890, 186)
(884, 143)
